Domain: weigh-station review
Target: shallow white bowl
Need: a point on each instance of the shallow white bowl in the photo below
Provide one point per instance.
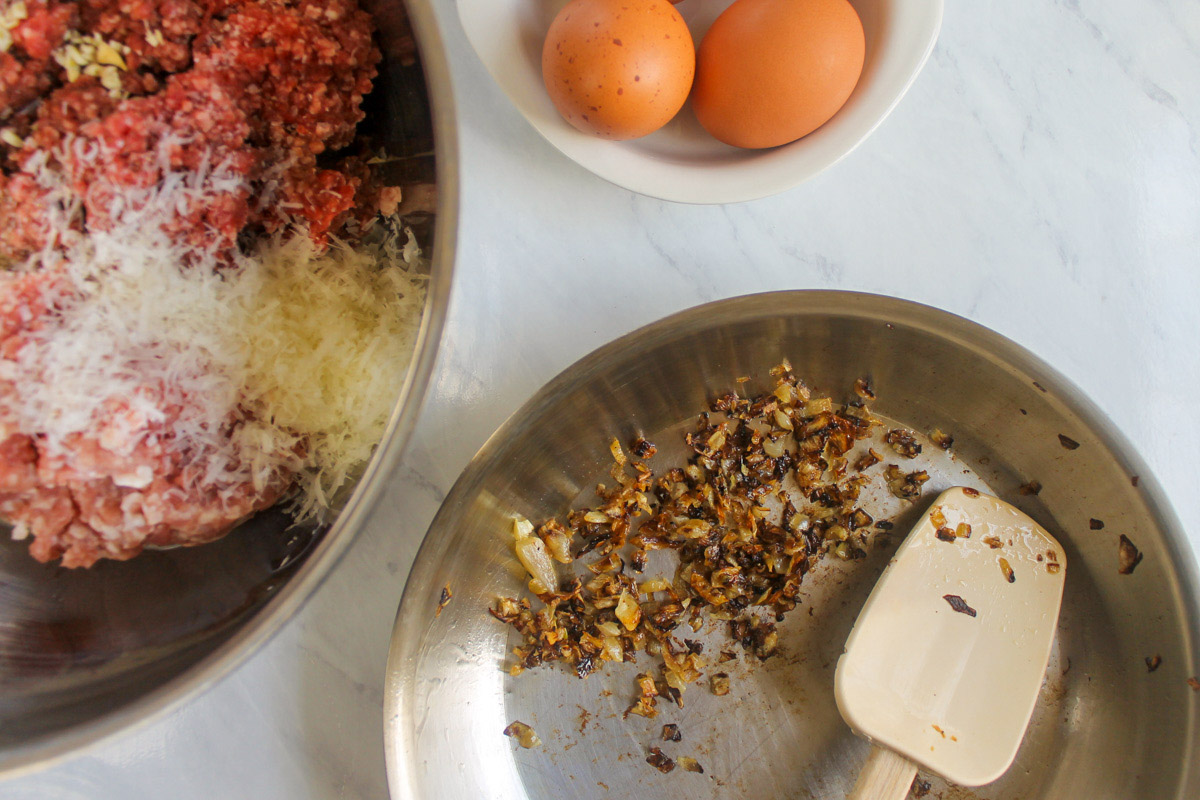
(681, 162)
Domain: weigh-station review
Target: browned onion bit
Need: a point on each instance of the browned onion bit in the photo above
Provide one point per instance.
(1033, 487)
(444, 601)
(1096, 524)
(903, 442)
(946, 535)
(720, 684)
(860, 519)
(524, 734)
(969, 492)
(646, 702)
(862, 388)
(942, 440)
(867, 460)
(1128, 556)
(993, 542)
(1153, 662)
(959, 605)
(660, 761)
(691, 765)
(670, 733)
(906, 486)
(756, 636)
(920, 788)
(642, 448)
(743, 541)
(937, 517)
(1194, 683)
(1007, 569)
(1068, 442)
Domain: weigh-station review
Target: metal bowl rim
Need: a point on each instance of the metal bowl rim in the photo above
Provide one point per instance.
(270, 619)
(802, 302)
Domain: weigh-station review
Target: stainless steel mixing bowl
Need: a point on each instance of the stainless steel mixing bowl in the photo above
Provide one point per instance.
(1105, 726)
(84, 654)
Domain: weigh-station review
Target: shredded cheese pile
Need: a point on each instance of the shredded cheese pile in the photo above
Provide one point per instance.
(328, 339)
(285, 362)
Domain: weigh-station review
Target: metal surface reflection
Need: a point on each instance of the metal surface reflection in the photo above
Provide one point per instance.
(1104, 727)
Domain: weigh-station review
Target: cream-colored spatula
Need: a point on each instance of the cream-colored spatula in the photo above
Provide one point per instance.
(944, 664)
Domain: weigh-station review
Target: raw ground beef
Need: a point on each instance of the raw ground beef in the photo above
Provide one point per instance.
(127, 21)
(193, 124)
(23, 227)
(65, 110)
(26, 69)
(116, 488)
(302, 69)
(259, 88)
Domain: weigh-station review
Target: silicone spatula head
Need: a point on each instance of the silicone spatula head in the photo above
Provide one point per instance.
(944, 664)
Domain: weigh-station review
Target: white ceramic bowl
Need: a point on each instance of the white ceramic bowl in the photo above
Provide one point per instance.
(681, 162)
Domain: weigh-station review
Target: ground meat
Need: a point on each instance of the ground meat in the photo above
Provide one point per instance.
(300, 71)
(117, 488)
(43, 29)
(193, 125)
(18, 464)
(321, 199)
(26, 69)
(239, 95)
(20, 83)
(66, 110)
(23, 215)
(84, 522)
(24, 299)
(158, 33)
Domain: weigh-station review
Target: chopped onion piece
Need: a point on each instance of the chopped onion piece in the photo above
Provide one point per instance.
(558, 543)
(654, 585)
(533, 556)
(628, 611)
(524, 734)
(609, 628)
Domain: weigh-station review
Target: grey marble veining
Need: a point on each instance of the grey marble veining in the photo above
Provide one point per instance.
(1042, 178)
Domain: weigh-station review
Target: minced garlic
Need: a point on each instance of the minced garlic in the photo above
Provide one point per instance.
(11, 138)
(92, 55)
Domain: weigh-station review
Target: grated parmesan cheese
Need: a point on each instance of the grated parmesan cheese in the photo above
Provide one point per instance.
(328, 339)
(284, 364)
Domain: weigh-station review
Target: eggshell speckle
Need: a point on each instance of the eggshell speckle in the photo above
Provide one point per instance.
(618, 69)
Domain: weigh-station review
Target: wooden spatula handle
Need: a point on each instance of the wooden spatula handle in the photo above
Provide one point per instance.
(885, 776)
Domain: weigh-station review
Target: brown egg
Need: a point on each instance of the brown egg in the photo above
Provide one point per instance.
(619, 69)
(771, 71)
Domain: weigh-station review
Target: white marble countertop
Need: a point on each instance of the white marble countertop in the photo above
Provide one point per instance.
(1042, 178)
